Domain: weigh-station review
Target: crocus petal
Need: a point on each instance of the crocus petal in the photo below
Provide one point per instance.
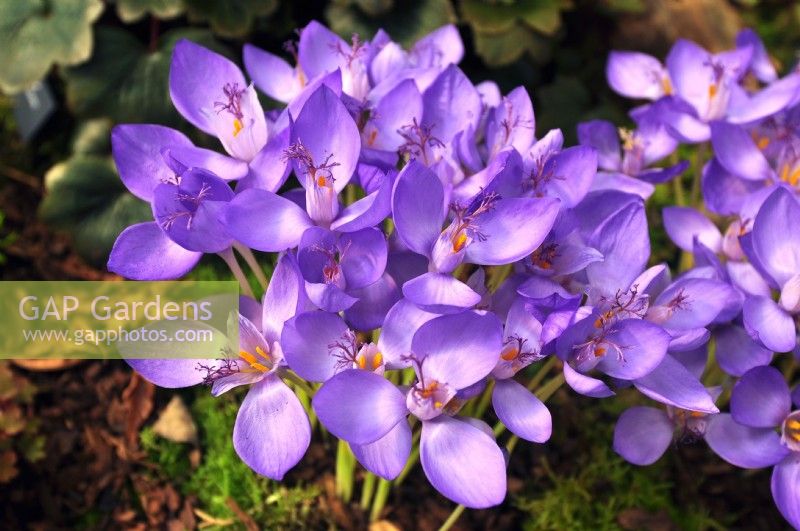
(387, 456)
(737, 152)
(761, 65)
(137, 154)
(284, 296)
(459, 349)
(636, 75)
(417, 207)
(586, 385)
(512, 123)
(319, 50)
(602, 135)
(271, 433)
(642, 435)
(400, 107)
(643, 345)
(144, 252)
(368, 211)
(723, 192)
(399, 327)
(476, 482)
(662, 175)
(736, 353)
(619, 181)
(373, 304)
(451, 104)
(746, 277)
(769, 324)
(689, 68)
(269, 168)
(760, 399)
(684, 223)
(326, 129)
(196, 79)
(439, 48)
(329, 297)
(743, 446)
(786, 488)
(502, 224)
(171, 373)
(775, 237)
(271, 74)
(359, 406)
(671, 383)
(772, 99)
(572, 171)
(265, 221)
(363, 259)
(305, 341)
(440, 293)
(693, 303)
(522, 413)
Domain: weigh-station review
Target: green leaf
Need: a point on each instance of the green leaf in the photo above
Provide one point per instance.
(126, 82)
(93, 137)
(406, 22)
(230, 18)
(35, 34)
(133, 10)
(86, 198)
(487, 16)
(504, 48)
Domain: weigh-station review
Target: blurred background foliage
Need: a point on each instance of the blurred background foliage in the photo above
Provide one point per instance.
(108, 62)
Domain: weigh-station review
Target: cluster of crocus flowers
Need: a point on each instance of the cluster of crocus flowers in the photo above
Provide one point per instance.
(433, 252)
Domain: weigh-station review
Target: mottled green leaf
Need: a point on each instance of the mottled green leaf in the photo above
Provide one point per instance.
(35, 34)
(125, 81)
(505, 48)
(229, 18)
(86, 198)
(133, 10)
(406, 22)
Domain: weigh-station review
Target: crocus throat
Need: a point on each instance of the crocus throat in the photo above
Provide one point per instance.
(260, 361)
(233, 105)
(352, 354)
(790, 431)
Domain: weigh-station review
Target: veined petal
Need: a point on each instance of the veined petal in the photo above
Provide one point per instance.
(761, 399)
(272, 432)
(636, 75)
(305, 341)
(671, 383)
(522, 413)
(387, 456)
(684, 223)
(359, 406)
(418, 207)
(271, 74)
(171, 373)
(769, 324)
(642, 435)
(737, 152)
(196, 80)
(502, 224)
(144, 252)
(459, 349)
(786, 488)
(440, 293)
(266, 221)
(737, 353)
(476, 482)
(137, 154)
(743, 446)
(399, 327)
(602, 135)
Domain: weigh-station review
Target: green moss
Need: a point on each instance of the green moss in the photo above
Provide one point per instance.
(222, 476)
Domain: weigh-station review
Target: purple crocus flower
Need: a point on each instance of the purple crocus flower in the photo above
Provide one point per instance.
(482, 231)
(762, 430)
(516, 407)
(449, 353)
(212, 94)
(188, 211)
(631, 157)
(773, 246)
(642, 434)
(272, 432)
(324, 150)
